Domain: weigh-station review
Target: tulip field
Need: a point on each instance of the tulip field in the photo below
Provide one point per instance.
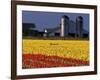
(54, 53)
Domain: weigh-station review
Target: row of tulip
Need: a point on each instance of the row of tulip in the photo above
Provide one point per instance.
(43, 61)
(75, 49)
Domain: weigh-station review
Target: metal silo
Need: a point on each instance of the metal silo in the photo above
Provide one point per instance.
(79, 26)
(64, 26)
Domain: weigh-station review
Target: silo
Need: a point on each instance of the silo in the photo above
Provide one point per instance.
(79, 26)
(64, 26)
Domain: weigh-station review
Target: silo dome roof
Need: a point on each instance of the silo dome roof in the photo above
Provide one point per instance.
(79, 18)
(64, 16)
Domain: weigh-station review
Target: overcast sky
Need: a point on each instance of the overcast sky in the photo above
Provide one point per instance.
(51, 19)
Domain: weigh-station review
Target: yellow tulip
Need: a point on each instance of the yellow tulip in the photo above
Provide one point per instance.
(76, 49)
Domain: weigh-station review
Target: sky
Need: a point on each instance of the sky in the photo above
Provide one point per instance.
(44, 20)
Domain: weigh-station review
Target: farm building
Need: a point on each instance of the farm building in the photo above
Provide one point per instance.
(67, 28)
